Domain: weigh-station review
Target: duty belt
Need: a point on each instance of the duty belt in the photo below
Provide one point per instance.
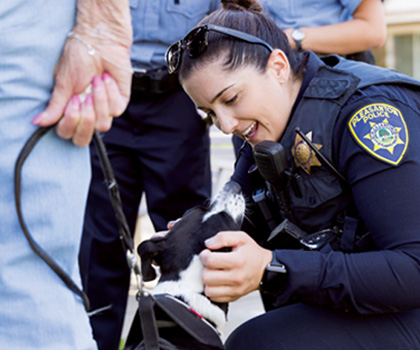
(154, 82)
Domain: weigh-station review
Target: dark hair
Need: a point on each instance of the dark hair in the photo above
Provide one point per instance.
(246, 16)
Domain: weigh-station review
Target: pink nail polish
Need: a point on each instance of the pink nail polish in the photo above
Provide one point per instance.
(106, 77)
(97, 82)
(75, 101)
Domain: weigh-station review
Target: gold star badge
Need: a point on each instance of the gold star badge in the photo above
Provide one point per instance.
(303, 155)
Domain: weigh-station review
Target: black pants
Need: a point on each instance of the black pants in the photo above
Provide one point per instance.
(300, 327)
(160, 147)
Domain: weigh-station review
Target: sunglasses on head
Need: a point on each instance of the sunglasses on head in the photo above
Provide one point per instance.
(197, 40)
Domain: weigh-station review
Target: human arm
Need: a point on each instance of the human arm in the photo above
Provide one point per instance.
(380, 281)
(106, 27)
(387, 279)
(365, 31)
(383, 280)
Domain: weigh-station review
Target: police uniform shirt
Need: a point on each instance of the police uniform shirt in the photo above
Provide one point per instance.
(159, 23)
(309, 13)
(376, 146)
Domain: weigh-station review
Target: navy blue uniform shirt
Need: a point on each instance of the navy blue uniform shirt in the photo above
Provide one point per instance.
(388, 199)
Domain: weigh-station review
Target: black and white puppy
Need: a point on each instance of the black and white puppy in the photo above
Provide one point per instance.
(177, 253)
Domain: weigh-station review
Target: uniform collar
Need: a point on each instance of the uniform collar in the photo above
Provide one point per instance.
(313, 62)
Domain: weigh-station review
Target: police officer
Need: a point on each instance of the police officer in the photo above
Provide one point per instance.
(159, 146)
(347, 136)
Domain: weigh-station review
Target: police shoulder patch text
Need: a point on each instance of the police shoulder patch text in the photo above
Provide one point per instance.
(380, 129)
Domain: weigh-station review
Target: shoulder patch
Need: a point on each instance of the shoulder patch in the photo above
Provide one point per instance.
(380, 129)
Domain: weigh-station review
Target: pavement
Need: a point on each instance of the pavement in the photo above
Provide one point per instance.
(249, 306)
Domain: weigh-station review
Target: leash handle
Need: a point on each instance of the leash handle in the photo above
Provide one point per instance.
(128, 243)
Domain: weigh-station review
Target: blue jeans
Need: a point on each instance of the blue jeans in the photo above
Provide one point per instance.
(37, 311)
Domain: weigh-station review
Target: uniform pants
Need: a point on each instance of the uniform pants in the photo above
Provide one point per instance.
(301, 327)
(160, 147)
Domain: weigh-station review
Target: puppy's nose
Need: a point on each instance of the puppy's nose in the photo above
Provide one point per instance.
(233, 187)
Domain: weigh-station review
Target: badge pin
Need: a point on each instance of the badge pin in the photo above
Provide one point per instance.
(303, 155)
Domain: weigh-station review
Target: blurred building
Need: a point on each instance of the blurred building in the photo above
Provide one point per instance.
(402, 48)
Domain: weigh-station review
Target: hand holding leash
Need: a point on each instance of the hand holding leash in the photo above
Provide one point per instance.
(96, 52)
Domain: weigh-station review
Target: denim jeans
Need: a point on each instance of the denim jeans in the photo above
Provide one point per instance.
(37, 311)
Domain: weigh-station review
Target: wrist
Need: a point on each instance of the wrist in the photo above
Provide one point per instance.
(298, 36)
(274, 278)
(104, 22)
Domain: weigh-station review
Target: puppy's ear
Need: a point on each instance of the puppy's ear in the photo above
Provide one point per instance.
(149, 251)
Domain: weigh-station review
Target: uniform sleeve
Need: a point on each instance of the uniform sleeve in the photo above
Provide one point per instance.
(387, 197)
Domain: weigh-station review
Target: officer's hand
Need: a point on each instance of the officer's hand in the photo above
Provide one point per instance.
(228, 276)
(170, 225)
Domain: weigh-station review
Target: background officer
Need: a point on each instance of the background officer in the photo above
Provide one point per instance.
(159, 147)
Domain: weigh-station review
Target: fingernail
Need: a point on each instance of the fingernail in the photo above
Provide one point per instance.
(97, 82)
(38, 118)
(106, 77)
(209, 241)
(75, 101)
(89, 99)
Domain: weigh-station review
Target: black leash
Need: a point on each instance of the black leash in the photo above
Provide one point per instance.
(124, 231)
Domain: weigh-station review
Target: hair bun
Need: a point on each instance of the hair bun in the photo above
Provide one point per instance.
(250, 5)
